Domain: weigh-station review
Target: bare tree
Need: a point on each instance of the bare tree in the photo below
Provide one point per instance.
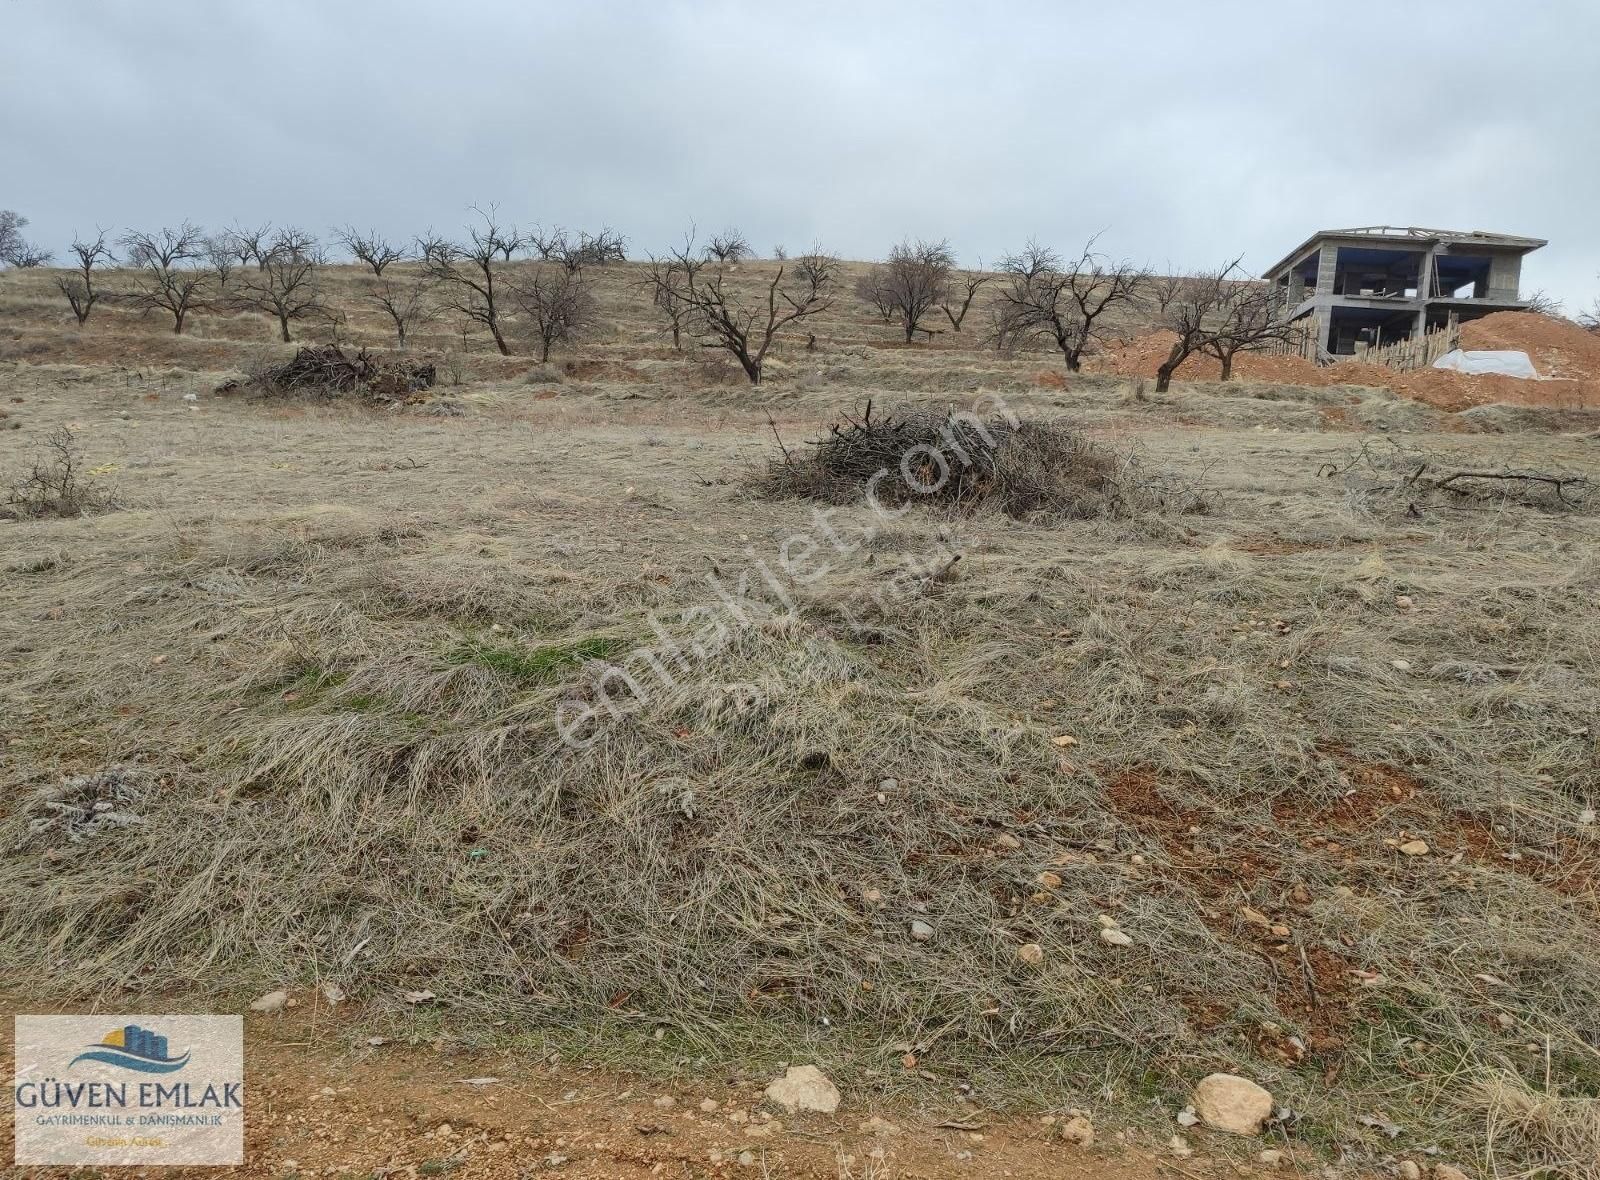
(78, 286)
(915, 280)
(1543, 303)
(1245, 323)
(222, 252)
(253, 245)
(11, 226)
(288, 288)
(15, 250)
(558, 305)
(370, 247)
(469, 274)
(1195, 315)
(816, 267)
(434, 248)
(1163, 289)
(1589, 320)
(407, 302)
(576, 251)
(293, 243)
(969, 281)
(873, 290)
(664, 297)
(728, 246)
(1005, 327)
(168, 279)
(722, 319)
(1067, 300)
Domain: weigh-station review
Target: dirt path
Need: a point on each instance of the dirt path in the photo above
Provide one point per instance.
(319, 1107)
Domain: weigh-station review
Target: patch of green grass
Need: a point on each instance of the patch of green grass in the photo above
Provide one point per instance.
(541, 665)
(303, 685)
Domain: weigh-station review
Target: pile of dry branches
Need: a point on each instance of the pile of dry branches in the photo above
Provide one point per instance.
(329, 370)
(962, 462)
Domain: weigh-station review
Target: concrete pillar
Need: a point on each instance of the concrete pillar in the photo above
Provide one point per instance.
(1505, 276)
(1425, 274)
(1327, 262)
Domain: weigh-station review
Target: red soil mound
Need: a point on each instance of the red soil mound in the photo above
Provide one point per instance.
(1559, 349)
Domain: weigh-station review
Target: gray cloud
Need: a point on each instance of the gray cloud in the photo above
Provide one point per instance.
(1188, 132)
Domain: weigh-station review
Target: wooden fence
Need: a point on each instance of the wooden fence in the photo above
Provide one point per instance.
(1305, 340)
(1418, 352)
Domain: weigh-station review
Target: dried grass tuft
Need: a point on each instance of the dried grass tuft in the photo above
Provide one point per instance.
(1541, 1134)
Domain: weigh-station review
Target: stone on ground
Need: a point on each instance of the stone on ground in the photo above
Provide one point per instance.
(1227, 1102)
(804, 1087)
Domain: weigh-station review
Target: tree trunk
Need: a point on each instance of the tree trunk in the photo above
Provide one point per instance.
(911, 328)
(1074, 361)
(1227, 366)
(177, 321)
(283, 327)
(1176, 357)
(499, 340)
(400, 332)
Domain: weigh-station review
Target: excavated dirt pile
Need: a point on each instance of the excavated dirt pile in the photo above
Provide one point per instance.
(1567, 356)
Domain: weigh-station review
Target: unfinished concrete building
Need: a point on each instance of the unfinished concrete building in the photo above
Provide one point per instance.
(1379, 284)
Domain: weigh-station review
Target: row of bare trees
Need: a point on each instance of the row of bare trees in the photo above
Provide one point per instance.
(1074, 303)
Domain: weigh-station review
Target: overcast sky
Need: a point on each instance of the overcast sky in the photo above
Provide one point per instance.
(1187, 130)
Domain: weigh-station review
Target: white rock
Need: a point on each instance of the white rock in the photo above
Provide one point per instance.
(1400, 665)
(1179, 1146)
(271, 1002)
(710, 1105)
(1586, 816)
(1115, 937)
(1187, 1117)
(1447, 1172)
(1415, 848)
(804, 1087)
(333, 993)
(920, 930)
(1031, 953)
(1227, 1102)
(1409, 1170)
(1271, 1158)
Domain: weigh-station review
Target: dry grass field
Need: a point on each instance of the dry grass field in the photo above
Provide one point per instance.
(1321, 745)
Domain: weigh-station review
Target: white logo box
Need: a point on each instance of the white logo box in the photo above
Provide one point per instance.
(120, 1090)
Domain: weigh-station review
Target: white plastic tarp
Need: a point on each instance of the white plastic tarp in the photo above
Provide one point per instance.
(1506, 363)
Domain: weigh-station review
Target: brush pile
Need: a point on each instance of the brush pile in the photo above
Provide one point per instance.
(961, 462)
(329, 370)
